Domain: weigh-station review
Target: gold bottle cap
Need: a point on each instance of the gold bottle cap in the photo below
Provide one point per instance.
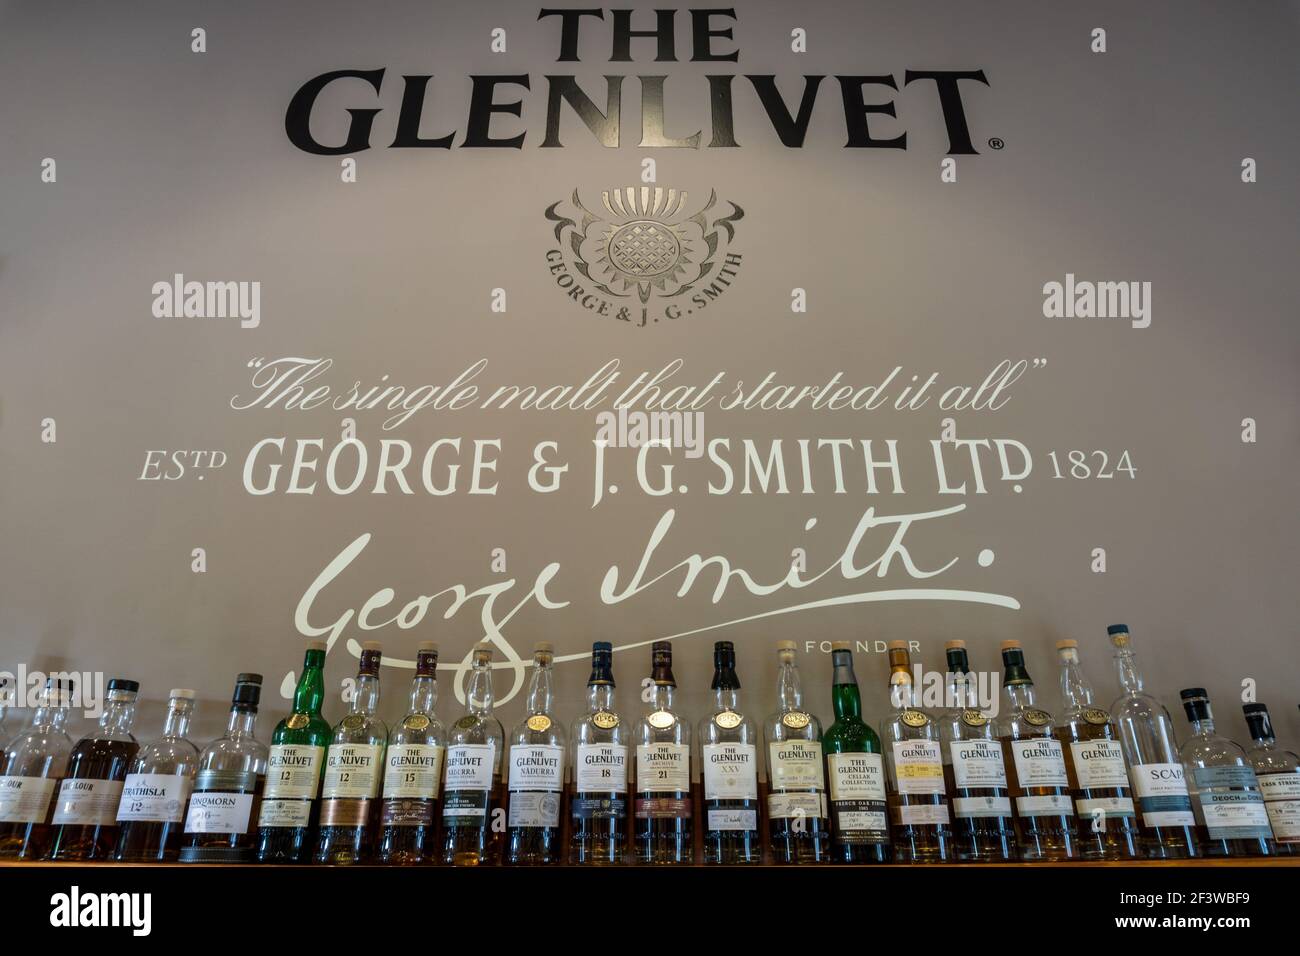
(427, 646)
(372, 646)
(315, 645)
(953, 645)
(841, 646)
(483, 647)
(543, 647)
(1010, 645)
(1062, 645)
(786, 646)
(898, 645)
(184, 693)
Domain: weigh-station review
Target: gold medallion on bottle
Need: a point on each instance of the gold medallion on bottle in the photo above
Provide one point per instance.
(1039, 718)
(415, 722)
(604, 719)
(354, 722)
(914, 718)
(728, 719)
(538, 723)
(973, 718)
(469, 720)
(796, 720)
(661, 720)
(1095, 715)
(297, 721)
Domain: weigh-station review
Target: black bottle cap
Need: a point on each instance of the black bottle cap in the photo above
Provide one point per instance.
(248, 690)
(1117, 629)
(661, 663)
(1258, 721)
(1187, 693)
(602, 647)
(1196, 703)
(121, 683)
(602, 663)
(724, 666)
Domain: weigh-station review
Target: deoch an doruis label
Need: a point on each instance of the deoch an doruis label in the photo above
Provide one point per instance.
(1230, 804)
(352, 771)
(663, 768)
(155, 797)
(1162, 795)
(25, 799)
(88, 802)
(730, 772)
(536, 767)
(600, 768)
(1099, 764)
(412, 771)
(795, 765)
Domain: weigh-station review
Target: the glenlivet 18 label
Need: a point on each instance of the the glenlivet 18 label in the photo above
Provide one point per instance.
(412, 771)
(600, 768)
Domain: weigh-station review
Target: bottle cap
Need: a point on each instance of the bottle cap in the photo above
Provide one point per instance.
(121, 683)
(898, 645)
(483, 651)
(1191, 693)
(602, 647)
(953, 645)
(315, 645)
(1062, 645)
(1010, 645)
(841, 646)
(543, 647)
(248, 690)
(372, 646)
(1249, 709)
(786, 646)
(427, 646)
(1117, 629)
(184, 693)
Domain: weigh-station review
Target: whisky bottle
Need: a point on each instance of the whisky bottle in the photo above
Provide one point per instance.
(798, 826)
(1146, 732)
(35, 761)
(536, 775)
(664, 810)
(1094, 764)
(413, 771)
(1278, 773)
(221, 822)
(1036, 775)
(729, 765)
(983, 830)
(916, 792)
(598, 809)
(151, 813)
(1231, 819)
(286, 821)
(353, 768)
(473, 775)
(855, 771)
(85, 809)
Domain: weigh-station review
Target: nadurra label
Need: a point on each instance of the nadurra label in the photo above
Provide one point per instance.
(536, 767)
(25, 799)
(730, 773)
(601, 768)
(88, 802)
(1099, 763)
(156, 797)
(470, 767)
(293, 772)
(352, 771)
(796, 765)
(918, 768)
(663, 768)
(412, 771)
(1162, 795)
(857, 785)
(1229, 803)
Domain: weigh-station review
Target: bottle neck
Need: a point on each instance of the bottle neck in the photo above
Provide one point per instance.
(309, 696)
(959, 690)
(539, 689)
(664, 694)
(788, 691)
(900, 692)
(1130, 680)
(366, 699)
(49, 715)
(727, 698)
(1019, 696)
(118, 716)
(845, 699)
(1203, 727)
(424, 694)
(478, 695)
(600, 697)
(241, 722)
(177, 722)
(1076, 692)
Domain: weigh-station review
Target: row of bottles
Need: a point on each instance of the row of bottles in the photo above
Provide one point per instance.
(953, 784)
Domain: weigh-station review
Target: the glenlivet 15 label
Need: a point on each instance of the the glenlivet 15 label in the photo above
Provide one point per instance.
(412, 771)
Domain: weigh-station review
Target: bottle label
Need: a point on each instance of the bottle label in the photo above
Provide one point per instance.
(978, 763)
(216, 812)
(352, 771)
(1231, 814)
(293, 772)
(662, 808)
(598, 808)
(469, 768)
(406, 813)
(25, 799)
(1049, 806)
(662, 768)
(601, 768)
(796, 806)
(857, 783)
(981, 807)
(921, 814)
(1281, 793)
(1108, 806)
(157, 797)
(732, 819)
(730, 773)
(1040, 762)
(537, 767)
(466, 803)
(293, 814)
(344, 812)
(1099, 763)
(412, 771)
(88, 802)
(918, 768)
(1162, 795)
(534, 809)
(796, 764)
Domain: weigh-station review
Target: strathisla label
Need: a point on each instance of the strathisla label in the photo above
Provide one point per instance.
(352, 771)
(88, 802)
(601, 768)
(1162, 795)
(156, 797)
(412, 771)
(663, 768)
(25, 799)
(730, 773)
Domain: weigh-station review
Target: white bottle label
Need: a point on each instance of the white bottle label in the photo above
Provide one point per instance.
(212, 812)
(88, 802)
(796, 765)
(732, 819)
(1281, 793)
(795, 805)
(730, 773)
(412, 771)
(1162, 794)
(352, 771)
(470, 766)
(157, 797)
(857, 785)
(1050, 806)
(1040, 762)
(293, 772)
(293, 814)
(1108, 806)
(921, 814)
(534, 808)
(1099, 763)
(25, 799)
(918, 768)
(967, 807)
(536, 767)
(978, 763)
(601, 768)
(663, 768)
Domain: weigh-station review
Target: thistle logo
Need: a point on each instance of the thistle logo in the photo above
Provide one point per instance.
(646, 255)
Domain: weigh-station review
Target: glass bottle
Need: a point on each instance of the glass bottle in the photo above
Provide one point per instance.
(1146, 732)
(413, 771)
(983, 830)
(7, 692)
(598, 809)
(353, 771)
(536, 777)
(798, 825)
(855, 770)
(286, 821)
(473, 774)
(151, 813)
(219, 827)
(664, 806)
(1230, 816)
(85, 810)
(1278, 773)
(1036, 775)
(916, 791)
(1094, 763)
(35, 761)
(729, 766)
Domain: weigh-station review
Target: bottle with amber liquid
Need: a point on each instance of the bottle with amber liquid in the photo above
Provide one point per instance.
(598, 809)
(472, 780)
(1036, 775)
(535, 778)
(798, 827)
(413, 771)
(664, 808)
(34, 763)
(85, 810)
(354, 766)
(729, 767)
(916, 791)
(151, 814)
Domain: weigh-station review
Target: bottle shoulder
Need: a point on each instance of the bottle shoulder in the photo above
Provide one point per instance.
(167, 753)
(243, 753)
(476, 729)
(1212, 751)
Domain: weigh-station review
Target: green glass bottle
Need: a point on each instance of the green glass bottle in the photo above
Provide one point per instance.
(293, 773)
(855, 770)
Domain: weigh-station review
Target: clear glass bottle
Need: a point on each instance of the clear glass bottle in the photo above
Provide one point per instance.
(798, 822)
(472, 788)
(536, 777)
(1094, 763)
(7, 692)
(35, 761)
(1278, 773)
(916, 791)
(413, 771)
(1146, 732)
(85, 810)
(221, 822)
(1036, 775)
(729, 767)
(151, 813)
(598, 807)
(855, 771)
(354, 766)
(983, 829)
(664, 806)
(1231, 819)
